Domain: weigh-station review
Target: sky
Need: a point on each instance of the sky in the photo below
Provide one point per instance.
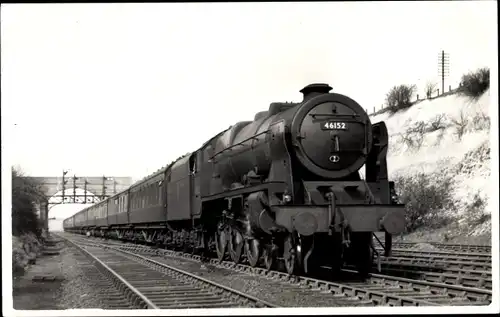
(124, 89)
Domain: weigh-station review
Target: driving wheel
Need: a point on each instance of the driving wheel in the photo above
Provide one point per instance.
(236, 243)
(252, 250)
(291, 253)
(220, 243)
(269, 255)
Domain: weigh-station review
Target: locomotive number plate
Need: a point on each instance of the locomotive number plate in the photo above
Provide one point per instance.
(333, 125)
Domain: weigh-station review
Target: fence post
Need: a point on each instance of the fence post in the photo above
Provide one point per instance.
(438, 92)
(449, 88)
(417, 97)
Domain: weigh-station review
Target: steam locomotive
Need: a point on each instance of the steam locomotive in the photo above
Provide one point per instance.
(285, 187)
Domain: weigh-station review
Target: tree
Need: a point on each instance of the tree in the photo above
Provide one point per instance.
(430, 89)
(25, 194)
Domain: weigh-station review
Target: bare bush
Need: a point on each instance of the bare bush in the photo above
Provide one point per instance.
(412, 141)
(413, 137)
(399, 97)
(418, 127)
(481, 121)
(471, 159)
(439, 138)
(425, 200)
(474, 84)
(437, 123)
(460, 125)
(475, 211)
(430, 89)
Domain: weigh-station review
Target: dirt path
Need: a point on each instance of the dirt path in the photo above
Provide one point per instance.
(55, 282)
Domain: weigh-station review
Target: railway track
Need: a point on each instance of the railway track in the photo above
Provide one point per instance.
(475, 279)
(149, 284)
(457, 268)
(445, 260)
(467, 256)
(376, 290)
(445, 246)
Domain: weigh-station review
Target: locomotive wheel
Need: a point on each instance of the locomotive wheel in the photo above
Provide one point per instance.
(269, 255)
(292, 254)
(253, 250)
(236, 243)
(220, 243)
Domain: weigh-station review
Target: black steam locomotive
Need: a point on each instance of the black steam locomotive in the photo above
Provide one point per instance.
(284, 187)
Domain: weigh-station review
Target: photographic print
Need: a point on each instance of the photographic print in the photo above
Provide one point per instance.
(249, 158)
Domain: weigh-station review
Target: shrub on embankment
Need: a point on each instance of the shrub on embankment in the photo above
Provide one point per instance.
(431, 202)
(475, 84)
(425, 200)
(26, 225)
(400, 97)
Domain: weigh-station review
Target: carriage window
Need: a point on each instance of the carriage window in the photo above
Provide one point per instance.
(152, 194)
(192, 164)
(148, 195)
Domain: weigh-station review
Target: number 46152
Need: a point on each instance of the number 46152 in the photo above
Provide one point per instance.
(334, 125)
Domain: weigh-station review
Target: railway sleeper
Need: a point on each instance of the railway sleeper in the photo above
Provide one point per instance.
(163, 296)
(194, 300)
(170, 292)
(194, 306)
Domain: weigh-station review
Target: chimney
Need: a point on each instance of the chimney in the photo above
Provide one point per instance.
(313, 90)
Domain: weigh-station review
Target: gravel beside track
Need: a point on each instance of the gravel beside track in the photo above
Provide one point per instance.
(64, 278)
(377, 290)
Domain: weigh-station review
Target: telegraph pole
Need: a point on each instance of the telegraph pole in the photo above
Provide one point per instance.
(74, 188)
(85, 193)
(443, 67)
(103, 187)
(64, 184)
